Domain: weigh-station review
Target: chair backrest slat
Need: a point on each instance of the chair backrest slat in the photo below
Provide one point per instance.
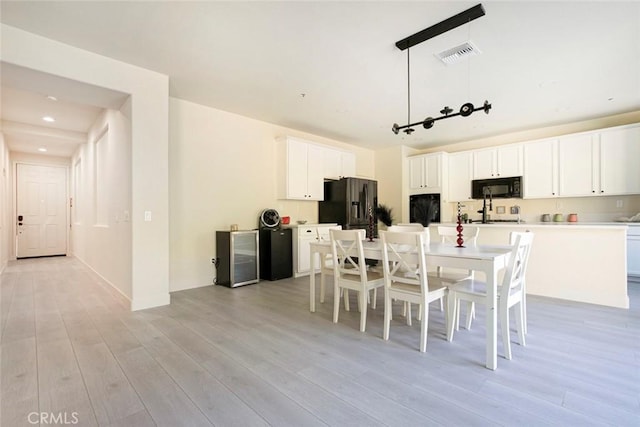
(348, 253)
(403, 253)
(449, 235)
(517, 266)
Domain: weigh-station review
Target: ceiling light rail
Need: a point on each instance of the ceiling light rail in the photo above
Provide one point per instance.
(465, 111)
(435, 30)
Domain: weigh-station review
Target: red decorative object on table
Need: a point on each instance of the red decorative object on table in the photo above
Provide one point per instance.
(459, 229)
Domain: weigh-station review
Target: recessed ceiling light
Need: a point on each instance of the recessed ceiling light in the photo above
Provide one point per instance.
(52, 98)
(48, 119)
(42, 149)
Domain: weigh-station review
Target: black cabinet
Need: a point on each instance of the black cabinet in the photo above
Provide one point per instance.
(276, 254)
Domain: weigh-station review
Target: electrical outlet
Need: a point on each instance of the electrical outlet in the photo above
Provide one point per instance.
(500, 209)
(619, 203)
(558, 205)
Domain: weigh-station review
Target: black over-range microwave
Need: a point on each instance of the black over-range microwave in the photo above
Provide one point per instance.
(497, 188)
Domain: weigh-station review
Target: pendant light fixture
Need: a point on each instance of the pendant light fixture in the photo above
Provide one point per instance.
(435, 30)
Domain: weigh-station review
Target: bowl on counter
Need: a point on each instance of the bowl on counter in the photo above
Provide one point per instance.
(301, 221)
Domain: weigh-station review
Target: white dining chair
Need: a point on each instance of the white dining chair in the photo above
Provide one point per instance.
(449, 236)
(350, 272)
(326, 263)
(403, 251)
(512, 238)
(411, 227)
(510, 292)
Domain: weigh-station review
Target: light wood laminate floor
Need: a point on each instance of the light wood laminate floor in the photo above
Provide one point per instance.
(256, 356)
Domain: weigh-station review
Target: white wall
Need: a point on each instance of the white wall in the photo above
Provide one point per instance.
(223, 172)
(392, 191)
(102, 240)
(149, 142)
(5, 203)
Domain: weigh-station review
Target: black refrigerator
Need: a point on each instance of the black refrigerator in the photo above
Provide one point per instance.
(348, 202)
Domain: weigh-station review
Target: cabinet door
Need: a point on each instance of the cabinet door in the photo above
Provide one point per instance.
(315, 173)
(633, 255)
(332, 163)
(484, 163)
(509, 161)
(348, 163)
(297, 170)
(619, 157)
(576, 166)
(459, 177)
(540, 169)
(432, 168)
(416, 172)
(304, 237)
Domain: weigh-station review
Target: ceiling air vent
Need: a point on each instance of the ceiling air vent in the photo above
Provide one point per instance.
(455, 54)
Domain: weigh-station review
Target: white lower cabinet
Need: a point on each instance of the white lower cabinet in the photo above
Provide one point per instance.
(633, 252)
(303, 236)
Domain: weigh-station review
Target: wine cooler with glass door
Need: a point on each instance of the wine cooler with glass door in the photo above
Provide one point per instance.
(238, 261)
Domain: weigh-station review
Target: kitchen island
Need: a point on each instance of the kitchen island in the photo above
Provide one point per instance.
(585, 262)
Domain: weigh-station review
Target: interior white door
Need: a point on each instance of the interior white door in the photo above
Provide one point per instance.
(41, 210)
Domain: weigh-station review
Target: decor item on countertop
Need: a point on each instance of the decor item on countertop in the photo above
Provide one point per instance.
(558, 217)
(467, 49)
(234, 227)
(285, 219)
(301, 221)
(384, 214)
(635, 218)
(371, 222)
(546, 218)
(459, 228)
(572, 217)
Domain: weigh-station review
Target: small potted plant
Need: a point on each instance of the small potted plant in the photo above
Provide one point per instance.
(384, 214)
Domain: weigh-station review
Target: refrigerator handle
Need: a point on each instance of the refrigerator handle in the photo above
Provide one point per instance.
(365, 189)
(355, 210)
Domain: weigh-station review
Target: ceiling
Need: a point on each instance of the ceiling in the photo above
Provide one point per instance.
(332, 68)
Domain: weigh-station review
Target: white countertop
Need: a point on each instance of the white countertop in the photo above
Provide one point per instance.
(580, 225)
(309, 225)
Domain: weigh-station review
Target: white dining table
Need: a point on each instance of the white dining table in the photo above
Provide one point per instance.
(489, 259)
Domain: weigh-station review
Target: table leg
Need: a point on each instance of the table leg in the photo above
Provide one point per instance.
(312, 281)
(492, 317)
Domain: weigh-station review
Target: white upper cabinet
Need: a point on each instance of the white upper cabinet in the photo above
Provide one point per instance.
(338, 163)
(425, 172)
(620, 161)
(600, 163)
(301, 170)
(541, 169)
(498, 162)
(459, 176)
(578, 165)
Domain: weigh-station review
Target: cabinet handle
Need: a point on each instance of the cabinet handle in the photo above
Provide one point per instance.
(593, 191)
(602, 191)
